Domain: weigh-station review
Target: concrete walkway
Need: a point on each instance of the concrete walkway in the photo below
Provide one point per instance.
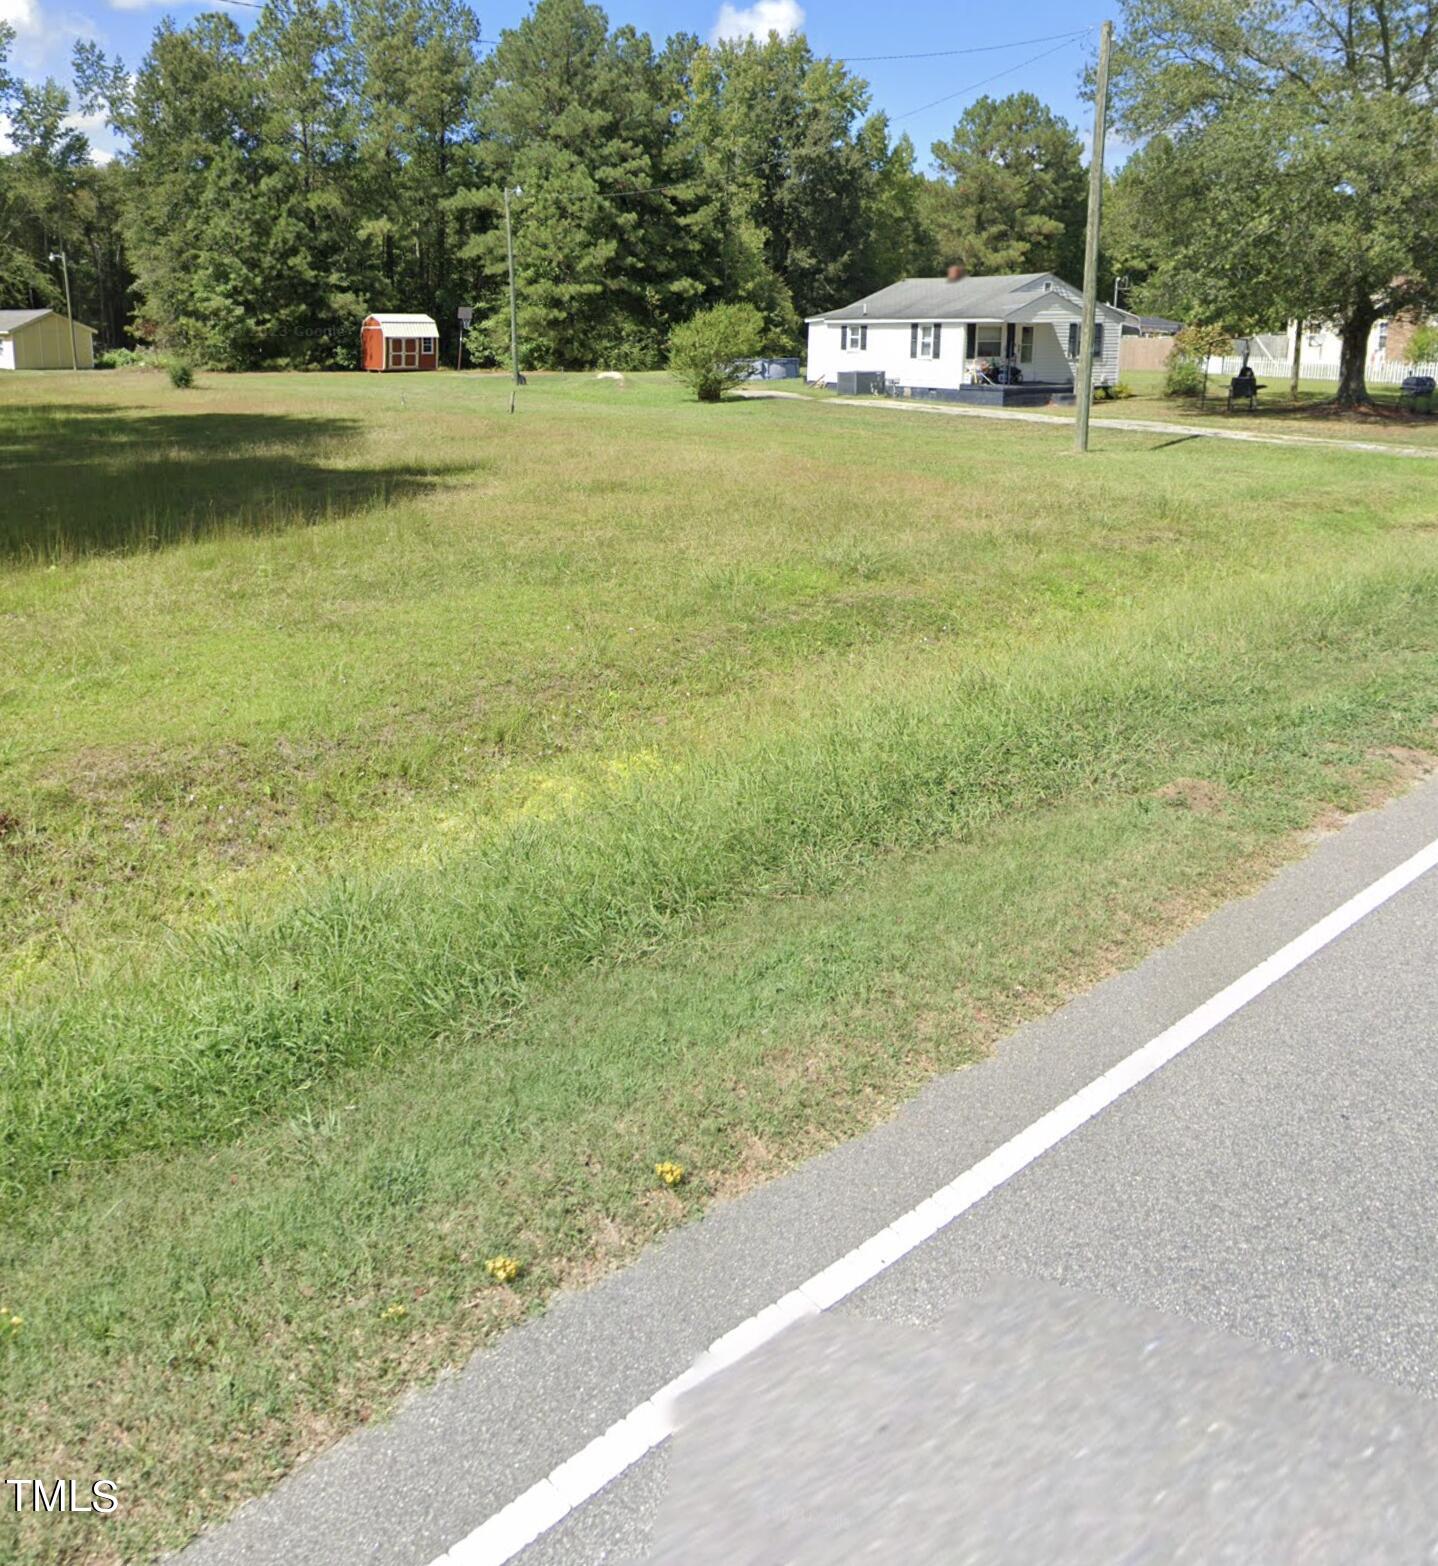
(1102, 422)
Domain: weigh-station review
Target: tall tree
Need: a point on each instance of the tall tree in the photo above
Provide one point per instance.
(309, 265)
(581, 120)
(1301, 175)
(1012, 193)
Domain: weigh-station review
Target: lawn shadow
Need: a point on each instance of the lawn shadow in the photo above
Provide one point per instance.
(84, 480)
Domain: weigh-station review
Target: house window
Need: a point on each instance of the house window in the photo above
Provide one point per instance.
(926, 342)
(1382, 337)
(853, 338)
(988, 340)
(1315, 340)
(1074, 331)
(1026, 345)
(426, 345)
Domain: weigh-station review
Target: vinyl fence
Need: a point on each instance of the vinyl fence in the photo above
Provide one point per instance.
(1378, 373)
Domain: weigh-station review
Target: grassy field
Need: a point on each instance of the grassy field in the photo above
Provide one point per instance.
(417, 821)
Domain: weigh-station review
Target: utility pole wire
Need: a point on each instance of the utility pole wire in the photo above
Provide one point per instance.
(948, 97)
(1083, 381)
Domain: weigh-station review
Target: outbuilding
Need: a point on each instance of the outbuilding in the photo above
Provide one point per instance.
(44, 340)
(399, 342)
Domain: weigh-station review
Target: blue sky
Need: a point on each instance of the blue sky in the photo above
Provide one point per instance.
(845, 28)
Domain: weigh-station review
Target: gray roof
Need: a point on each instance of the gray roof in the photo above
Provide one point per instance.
(992, 298)
(11, 320)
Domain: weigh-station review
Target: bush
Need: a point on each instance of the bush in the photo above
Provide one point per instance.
(1183, 377)
(121, 358)
(1423, 346)
(182, 373)
(708, 352)
(1122, 390)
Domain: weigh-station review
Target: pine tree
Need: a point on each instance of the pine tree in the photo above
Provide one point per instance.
(1013, 194)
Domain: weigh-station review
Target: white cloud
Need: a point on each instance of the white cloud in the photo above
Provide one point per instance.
(751, 21)
(22, 15)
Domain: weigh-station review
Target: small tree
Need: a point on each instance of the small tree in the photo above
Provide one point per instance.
(1199, 344)
(708, 352)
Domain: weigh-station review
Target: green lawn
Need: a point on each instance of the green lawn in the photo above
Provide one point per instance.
(1276, 413)
(418, 820)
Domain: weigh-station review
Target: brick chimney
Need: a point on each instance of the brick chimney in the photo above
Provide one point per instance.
(956, 271)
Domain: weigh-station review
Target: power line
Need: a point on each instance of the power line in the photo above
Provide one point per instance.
(939, 54)
(1008, 71)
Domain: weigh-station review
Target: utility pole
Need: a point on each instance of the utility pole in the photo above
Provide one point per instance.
(513, 317)
(1083, 381)
(69, 313)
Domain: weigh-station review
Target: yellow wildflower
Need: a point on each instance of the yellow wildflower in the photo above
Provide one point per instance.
(670, 1174)
(394, 1313)
(503, 1269)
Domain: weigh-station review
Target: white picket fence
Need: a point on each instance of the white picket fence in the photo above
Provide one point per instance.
(1377, 372)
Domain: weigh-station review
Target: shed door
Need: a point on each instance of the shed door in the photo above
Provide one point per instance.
(403, 353)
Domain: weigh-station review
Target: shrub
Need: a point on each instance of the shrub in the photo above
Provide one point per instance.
(1422, 346)
(121, 359)
(1122, 390)
(1183, 377)
(182, 373)
(708, 352)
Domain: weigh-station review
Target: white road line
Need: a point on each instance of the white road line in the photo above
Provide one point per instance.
(574, 1482)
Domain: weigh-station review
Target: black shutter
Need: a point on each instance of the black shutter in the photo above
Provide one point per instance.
(971, 340)
(937, 330)
(914, 341)
(1098, 339)
(1073, 339)
(863, 337)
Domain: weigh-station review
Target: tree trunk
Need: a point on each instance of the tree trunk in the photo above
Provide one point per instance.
(1352, 389)
(1297, 361)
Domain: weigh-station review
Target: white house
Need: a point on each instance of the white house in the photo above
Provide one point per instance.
(968, 339)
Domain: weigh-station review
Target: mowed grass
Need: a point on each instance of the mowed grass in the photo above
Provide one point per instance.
(403, 858)
(1388, 421)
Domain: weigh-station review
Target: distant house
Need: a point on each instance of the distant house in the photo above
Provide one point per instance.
(1002, 339)
(44, 340)
(399, 342)
(1150, 326)
(1388, 341)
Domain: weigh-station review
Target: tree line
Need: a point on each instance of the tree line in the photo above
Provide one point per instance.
(352, 155)
(345, 156)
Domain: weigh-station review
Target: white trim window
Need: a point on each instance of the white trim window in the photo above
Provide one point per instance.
(988, 340)
(1026, 345)
(426, 345)
(926, 342)
(853, 339)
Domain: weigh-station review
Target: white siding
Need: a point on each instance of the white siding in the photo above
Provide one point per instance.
(887, 350)
(1057, 364)
(7, 353)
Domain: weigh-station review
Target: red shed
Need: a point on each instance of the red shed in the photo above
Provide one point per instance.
(399, 342)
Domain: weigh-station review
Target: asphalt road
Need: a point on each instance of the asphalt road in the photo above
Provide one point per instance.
(1266, 1201)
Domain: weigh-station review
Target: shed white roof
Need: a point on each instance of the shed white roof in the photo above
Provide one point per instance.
(404, 325)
